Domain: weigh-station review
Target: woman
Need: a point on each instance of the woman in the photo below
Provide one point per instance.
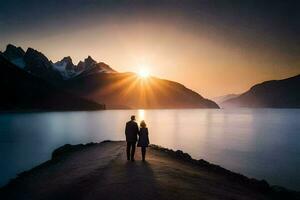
(143, 138)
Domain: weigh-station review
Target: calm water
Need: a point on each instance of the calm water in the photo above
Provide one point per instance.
(260, 143)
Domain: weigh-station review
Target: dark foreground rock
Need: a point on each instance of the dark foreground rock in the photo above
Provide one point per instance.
(100, 171)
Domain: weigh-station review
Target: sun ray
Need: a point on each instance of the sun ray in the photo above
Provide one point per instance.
(144, 73)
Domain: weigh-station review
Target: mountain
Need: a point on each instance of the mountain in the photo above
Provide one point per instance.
(98, 82)
(32, 61)
(90, 67)
(39, 65)
(220, 99)
(15, 55)
(270, 94)
(66, 68)
(23, 91)
(127, 90)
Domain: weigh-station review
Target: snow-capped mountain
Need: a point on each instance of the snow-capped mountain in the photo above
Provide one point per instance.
(39, 65)
(21, 91)
(87, 67)
(90, 67)
(66, 68)
(91, 81)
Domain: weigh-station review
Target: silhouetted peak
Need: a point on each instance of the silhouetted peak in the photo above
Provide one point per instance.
(89, 58)
(13, 47)
(34, 53)
(31, 51)
(80, 66)
(34, 58)
(89, 61)
(67, 60)
(12, 52)
(80, 63)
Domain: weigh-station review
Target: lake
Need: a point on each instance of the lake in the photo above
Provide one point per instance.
(259, 143)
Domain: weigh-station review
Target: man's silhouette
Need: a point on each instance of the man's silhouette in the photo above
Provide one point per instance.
(131, 132)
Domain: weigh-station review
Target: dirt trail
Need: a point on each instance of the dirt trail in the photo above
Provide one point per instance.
(101, 171)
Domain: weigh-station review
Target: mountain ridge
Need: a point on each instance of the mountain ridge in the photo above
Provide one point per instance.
(98, 82)
(23, 92)
(38, 64)
(282, 93)
(139, 94)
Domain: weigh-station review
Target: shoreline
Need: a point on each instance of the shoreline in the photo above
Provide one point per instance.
(157, 153)
(113, 109)
(106, 109)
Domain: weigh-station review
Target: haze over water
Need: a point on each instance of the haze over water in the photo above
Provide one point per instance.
(260, 143)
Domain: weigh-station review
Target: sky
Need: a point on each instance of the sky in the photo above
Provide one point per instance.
(212, 47)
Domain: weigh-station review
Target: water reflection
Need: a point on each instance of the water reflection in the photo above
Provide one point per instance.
(141, 115)
(247, 141)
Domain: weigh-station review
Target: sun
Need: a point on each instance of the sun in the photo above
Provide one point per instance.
(144, 73)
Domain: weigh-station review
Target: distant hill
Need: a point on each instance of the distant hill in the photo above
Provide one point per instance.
(128, 90)
(270, 94)
(98, 82)
(220, 99)
(21, 91)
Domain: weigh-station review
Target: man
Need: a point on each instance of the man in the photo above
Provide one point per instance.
(131, 132)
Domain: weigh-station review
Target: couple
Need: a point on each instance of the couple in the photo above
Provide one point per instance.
(132, 131)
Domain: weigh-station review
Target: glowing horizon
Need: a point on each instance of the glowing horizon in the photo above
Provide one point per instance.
(210, 53)
(144, 73)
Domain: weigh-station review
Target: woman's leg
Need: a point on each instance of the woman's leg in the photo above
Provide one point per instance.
(143, 153)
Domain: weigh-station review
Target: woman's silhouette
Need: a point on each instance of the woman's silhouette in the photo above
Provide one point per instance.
(143, 138)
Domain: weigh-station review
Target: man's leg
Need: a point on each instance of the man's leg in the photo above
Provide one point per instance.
(132, 150)
(128, 150)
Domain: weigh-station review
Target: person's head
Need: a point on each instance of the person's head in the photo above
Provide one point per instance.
(143, 124)
(132, 117)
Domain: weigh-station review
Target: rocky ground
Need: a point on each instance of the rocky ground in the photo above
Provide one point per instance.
(101, 171)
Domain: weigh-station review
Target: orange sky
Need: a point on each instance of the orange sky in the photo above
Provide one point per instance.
(196, 55)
